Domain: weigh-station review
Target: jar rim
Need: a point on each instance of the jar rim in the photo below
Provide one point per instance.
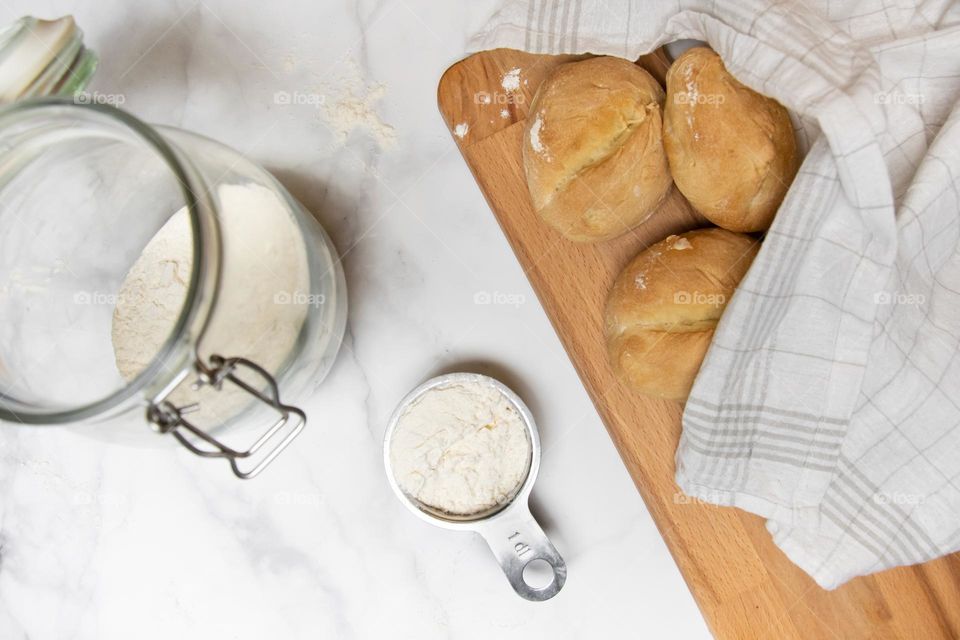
(202, 285)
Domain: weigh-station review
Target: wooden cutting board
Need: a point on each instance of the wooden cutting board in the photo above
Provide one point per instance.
(745, 587)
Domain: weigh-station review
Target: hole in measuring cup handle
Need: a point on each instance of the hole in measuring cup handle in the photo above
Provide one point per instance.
(538, 573)
(168, 418)
(516, 540)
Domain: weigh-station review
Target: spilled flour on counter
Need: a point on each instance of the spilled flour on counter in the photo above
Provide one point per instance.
(461, 448)
(351, 104)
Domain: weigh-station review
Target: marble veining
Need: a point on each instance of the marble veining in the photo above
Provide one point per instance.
(102, 541)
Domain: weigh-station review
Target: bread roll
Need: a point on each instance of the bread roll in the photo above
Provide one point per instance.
(731, 150)
(593, 148)
(665, 304)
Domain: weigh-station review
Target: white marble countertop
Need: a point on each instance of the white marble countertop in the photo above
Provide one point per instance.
(107, 541)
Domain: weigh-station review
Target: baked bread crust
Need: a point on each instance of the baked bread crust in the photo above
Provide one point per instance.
(664, 306)
(593, 149)
(732, 151)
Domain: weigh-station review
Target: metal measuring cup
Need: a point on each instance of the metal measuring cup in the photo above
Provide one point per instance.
(510, 530)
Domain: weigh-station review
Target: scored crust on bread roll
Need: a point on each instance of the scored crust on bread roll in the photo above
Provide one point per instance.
(732, 151)
(593, 149)
(664, 306)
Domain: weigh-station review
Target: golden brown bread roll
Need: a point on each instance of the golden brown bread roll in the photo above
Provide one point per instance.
(593, 148)
(665, 304)
(731, 150)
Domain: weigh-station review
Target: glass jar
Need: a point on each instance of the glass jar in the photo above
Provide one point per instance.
(148, 273)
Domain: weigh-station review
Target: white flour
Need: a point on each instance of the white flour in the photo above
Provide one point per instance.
(352, 104)
(461, 448)
(262, 303)
(511, 80)
(352, 111)
(535, 142)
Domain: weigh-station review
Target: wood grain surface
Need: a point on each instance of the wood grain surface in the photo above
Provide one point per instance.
(745, 587)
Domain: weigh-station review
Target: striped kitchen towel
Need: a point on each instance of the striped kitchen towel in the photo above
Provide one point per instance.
(829, 402)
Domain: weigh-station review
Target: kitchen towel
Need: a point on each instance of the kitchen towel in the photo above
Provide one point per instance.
(829, 402)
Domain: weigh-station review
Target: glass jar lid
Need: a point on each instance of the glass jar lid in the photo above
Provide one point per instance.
(43, 58)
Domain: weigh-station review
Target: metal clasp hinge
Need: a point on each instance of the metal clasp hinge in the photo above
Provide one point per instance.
(168, 418)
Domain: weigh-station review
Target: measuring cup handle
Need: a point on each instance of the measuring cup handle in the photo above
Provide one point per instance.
(516, 539)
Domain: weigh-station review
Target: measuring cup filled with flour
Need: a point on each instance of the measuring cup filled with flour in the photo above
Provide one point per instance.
(148, 274)
(462, 452)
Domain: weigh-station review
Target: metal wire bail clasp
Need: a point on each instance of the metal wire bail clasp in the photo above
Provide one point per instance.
(168, 418)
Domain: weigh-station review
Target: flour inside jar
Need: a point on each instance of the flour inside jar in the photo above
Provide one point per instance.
(260, 309)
